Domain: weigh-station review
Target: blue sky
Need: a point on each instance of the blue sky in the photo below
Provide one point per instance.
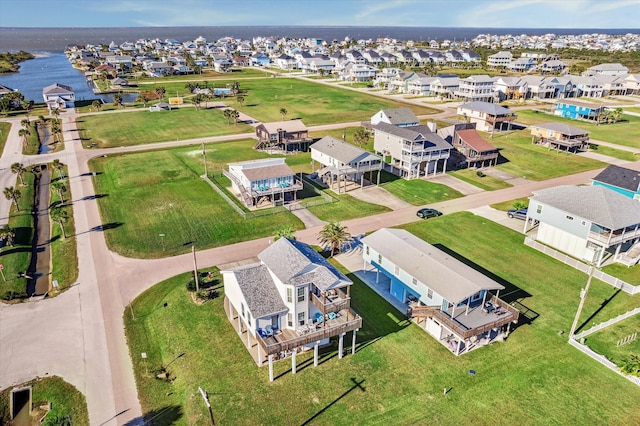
(421, 13)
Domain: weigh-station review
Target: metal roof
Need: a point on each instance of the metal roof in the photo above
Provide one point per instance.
(342, 151)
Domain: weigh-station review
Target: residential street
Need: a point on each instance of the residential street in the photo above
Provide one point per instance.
(81, 331)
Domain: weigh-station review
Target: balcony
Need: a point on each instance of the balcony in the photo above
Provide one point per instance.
(331, 301)
(614, 237)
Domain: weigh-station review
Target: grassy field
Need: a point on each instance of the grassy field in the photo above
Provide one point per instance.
(170, 198)
(486, 182)
(616, 153)
(417, 191)
(523, 159)
(143, 127)
(64, 257)
(508, 205)
(65, 401)
(625, 273)
(4, 133)
(605, 341)
(625, 132)
(16, 258)
(533, 378)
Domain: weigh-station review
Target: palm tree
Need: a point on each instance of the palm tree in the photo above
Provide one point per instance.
(240, 99)
(58, 166)
(60, 215)
(142, 98)
(616, 114)
(227, 114)
(285, 232)
(56, 130)
(117, 99)
(235, 115)
(25, 123)
(197, 100)
(283, 113)
(24, 133)
(60, 188)
(334, 235)
(97, 104)
(13, 194)
(361, 136)
(18, 169)
(7, 234)
(160, 91)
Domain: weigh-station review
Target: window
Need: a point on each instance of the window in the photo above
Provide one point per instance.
(301, 316)
(379, 259)
(289, 295)
(367, 250)
(414, 281)
(583, 223)
(290, 319)
(429, 294)
(249, 319)
(569, 217)
(242, 308)
(539, 209)
(396, 270)
(301, 291)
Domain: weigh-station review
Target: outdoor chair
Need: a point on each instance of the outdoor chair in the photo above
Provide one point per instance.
(269, 330)
(332, 315)
(319, 318)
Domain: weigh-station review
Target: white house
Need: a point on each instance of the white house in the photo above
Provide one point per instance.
(452, 299)
(500, 59)
(476, 88)
(289, 301)
(487, 116)
(58, 96)
(341, 161)
(401, 117)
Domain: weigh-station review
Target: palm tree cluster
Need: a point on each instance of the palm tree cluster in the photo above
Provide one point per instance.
(610, 116)
(13, 194)
(231, 114)
(7, 234)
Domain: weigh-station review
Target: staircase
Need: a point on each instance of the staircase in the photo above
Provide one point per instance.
(420, 311)
(631, 256)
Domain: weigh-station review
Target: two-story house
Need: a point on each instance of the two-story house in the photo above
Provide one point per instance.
(592, 223)
(58, 96)
(453, 300)
(291, 300)
(620, 179)
(560, 136)
(500, 59)
(285, 136)
(411, 152)
(475, 88)
(579, 110)
(401, 117)
(487, 116)
(341, 162)
(267, 181)
(476, 151)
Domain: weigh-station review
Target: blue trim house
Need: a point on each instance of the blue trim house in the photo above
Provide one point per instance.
(621, 180)
(578, 110)
(449, 299)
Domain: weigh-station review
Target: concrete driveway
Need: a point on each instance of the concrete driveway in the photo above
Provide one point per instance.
(376, 195)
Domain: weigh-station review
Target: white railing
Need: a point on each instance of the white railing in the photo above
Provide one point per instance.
(607, 323)
(583, 267)
(603, 360)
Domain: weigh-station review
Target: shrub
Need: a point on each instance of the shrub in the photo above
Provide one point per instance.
(480, 174)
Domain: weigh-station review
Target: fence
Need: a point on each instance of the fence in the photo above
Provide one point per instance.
(583, 267)
(608, 323)
(603, 360)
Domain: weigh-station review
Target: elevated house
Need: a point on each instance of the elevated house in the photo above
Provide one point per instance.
(58, 96)
(487, 116)
(401, 117)
(611, 69)
(341, 162)
(412, 151)
(290, 300)
(475, 150)
(285, 136)
(621, 180)
(445, 87)
(453, 302)
(266, 181)
(560, 136)
(593, 223)
(475, 88)
(632, 83)
(500, 59)
(579, 110)
(508, 88)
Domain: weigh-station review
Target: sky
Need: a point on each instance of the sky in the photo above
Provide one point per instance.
(411, 13)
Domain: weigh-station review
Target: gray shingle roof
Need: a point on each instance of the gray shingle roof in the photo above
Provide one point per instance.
(621, 177)
(342, 151)
(598, 204)
(297, 263)
(565, 129)
(259, 290)
(400, 115)
(439, 271)
(414, 133)
(268, 172)
(57, 89)
(486, 107)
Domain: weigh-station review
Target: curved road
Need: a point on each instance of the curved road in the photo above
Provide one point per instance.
(81, 331)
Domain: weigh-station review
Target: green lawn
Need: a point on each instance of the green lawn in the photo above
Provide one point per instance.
(172, 199)
(143, 127)
(66, 401)
(4, 133)
(508, 205)
(486, 182)
(63, 251)
(533, 378)
(417, 191)
(625, 132)
(16, 258)
(605, 341)
(616, 153)
(535, 162)
(630, 275)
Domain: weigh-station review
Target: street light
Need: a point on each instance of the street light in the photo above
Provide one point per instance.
(162, 240)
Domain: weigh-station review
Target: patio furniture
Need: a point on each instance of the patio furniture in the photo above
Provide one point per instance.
(262, 333)
(332, 315)
(319, 318)
(269, 330)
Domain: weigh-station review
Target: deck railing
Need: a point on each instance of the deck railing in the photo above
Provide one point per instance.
(339, 302)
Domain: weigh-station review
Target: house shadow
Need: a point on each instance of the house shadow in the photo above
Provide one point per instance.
(604, 303)
(501, 158)
(511, 293)
(106, 226)
(168, 415)
(93, 197)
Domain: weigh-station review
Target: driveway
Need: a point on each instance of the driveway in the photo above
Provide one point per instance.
(507, 177)
(454, 183)
(376, 195)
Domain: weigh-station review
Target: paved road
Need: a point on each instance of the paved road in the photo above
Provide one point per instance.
(86, 345)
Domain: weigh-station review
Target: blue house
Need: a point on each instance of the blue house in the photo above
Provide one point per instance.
(450, 300)
(260, 60)
(578, 110)
(621, 180)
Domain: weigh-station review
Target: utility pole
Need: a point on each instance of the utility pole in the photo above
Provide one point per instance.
(204, 157)
(205, 396)
(195, 268)
(583, 296)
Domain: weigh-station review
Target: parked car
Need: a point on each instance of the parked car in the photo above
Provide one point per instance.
(426, 213)
(518, 214)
